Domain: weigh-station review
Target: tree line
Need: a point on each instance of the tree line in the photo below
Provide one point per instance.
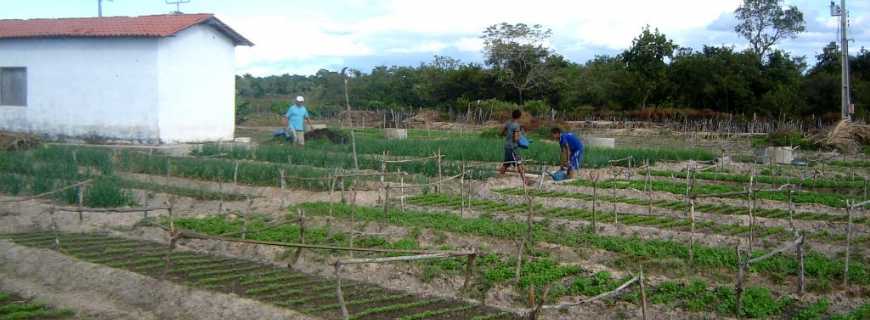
(654, 73)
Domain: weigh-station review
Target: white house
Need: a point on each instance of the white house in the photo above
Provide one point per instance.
(149, 79)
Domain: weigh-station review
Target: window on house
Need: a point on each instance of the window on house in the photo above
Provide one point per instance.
(13, 86)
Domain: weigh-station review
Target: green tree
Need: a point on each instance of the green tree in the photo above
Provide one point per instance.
(645, 61)
(764, 23)
(517, 54)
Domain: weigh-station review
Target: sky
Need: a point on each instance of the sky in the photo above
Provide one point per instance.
(301, 37)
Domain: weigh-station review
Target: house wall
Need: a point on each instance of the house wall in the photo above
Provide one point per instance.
(104, 88)
(196, 83)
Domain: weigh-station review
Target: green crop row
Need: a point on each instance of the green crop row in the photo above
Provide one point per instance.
(335, 160)
(199, 194)
(490, 149)
(250, 173)
(15, 309)
(542, 271)
(832, 200)
(806, 183)
(817, 265)
(682, 206)
(672, 223)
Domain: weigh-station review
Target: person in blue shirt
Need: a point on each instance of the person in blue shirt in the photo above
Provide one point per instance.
(572, 151)
(296, 117)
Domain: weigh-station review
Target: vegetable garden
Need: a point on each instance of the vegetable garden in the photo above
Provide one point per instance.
(631, 235)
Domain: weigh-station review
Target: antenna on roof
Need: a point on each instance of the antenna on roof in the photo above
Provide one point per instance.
(100, 7)
(177, 4)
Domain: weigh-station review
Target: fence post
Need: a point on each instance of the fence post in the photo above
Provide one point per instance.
(462, 190)
(649, 193)
(751, 196)
(642, 294)
(236, 173)
(440, 177)
(80, 199)
(692, 235)
(283, 182)
(738, 290)
(54, 228)
(353, 147)
(469, 268)
(401, 189)
(221, 194)
(848, 244)
(801, 275)
(594, 203)
(173, 237)
(300, 215)
(245, 218)
(352, 218)
(168, 168)
(344, 314)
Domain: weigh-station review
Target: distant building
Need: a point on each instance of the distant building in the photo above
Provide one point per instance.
(149, 79)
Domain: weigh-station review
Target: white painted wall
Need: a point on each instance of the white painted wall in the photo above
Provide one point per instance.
(85, 87)
(196, 82)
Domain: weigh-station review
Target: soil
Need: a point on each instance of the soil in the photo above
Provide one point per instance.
(331, 135)
(18, 141)
(117, 294)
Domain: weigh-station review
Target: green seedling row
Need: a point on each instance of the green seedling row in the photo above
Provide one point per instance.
(672, 223)
(817, 265)
(679, 188)
(15, 308)
(249, 279)
(682, 206)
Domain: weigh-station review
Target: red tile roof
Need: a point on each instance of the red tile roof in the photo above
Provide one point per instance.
(155, 26)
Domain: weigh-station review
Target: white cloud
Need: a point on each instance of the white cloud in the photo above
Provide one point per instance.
(469, 44)
(388, 29)
(429, 46)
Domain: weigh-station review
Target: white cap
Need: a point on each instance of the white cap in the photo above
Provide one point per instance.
(300, 99)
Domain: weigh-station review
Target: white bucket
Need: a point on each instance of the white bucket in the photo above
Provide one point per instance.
(780, 155)
(606, 143)
(396, 134)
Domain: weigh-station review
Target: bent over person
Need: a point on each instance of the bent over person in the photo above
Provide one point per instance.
(572, 151)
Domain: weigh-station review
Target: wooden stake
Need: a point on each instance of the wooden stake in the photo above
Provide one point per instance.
(642, 295)
(801, 274)
(462, 191)
(54, 228)
(300, 216)
(738, 290)
(692, 234)
(80, 199)
(344, 314)
(402, 189)
(353, 147)
(469, 269)
(440, 177)
(236, 173)
(221, 194)
(649, 194)
(594, 204)
(245, 219)
(751, 196)
(848, 244)
(283, 182)
(352, 218)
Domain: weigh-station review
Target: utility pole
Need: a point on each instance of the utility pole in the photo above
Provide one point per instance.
(100, 7)
(840, 11)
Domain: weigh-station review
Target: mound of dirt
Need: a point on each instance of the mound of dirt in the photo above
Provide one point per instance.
(333, 136)
(17, 141)
(845, 136)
